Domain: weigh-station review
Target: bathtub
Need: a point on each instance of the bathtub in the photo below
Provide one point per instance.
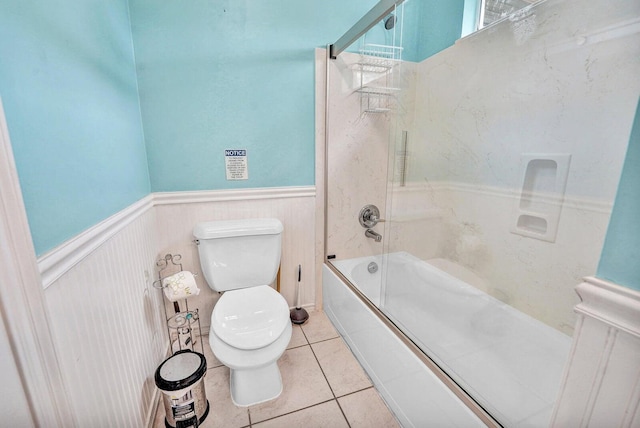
(509, 362)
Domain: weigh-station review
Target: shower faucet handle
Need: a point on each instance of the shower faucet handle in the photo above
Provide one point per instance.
(369, 216)
(374, 218)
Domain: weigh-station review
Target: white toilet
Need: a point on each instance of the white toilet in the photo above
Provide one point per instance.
(250, 325)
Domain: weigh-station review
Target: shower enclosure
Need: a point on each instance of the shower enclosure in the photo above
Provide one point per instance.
(469, 183)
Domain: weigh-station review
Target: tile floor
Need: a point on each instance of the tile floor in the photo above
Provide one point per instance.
(324, 386)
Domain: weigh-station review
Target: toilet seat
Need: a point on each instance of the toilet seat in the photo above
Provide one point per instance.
(240, 359)
(250, 318)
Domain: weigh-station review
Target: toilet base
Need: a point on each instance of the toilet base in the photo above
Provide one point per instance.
(254, 386)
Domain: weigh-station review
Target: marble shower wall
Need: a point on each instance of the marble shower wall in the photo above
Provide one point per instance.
(558, 78)
(358, 156)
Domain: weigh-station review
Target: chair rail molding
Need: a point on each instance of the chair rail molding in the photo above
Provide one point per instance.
(65, 256)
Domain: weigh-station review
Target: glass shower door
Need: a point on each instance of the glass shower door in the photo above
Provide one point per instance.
(499, 203)
(363, 90)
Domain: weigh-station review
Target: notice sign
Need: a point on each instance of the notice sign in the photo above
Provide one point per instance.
(235, 162)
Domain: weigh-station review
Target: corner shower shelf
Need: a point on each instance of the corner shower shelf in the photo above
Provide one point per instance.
(376, 69)
(377, 99)
(378, 90)
(381, 53)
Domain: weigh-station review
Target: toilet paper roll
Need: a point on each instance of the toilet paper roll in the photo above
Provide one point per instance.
(180, 286)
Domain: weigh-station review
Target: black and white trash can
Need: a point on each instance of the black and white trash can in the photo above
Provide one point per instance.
(180, 379)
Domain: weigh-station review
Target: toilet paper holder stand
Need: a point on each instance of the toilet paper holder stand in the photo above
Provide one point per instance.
(180, 325)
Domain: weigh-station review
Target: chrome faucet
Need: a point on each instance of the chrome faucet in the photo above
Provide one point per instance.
(373, 235)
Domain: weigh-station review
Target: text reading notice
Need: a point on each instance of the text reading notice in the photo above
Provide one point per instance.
(235, 162)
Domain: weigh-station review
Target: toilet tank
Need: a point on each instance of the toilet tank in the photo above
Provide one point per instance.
(239, 253)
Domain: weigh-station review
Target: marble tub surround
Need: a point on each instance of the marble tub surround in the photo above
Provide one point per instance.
(474, 113)
(324, 386)
(532, 85)
(467, 226)
(359, 165)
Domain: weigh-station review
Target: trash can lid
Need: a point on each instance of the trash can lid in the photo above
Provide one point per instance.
(181, 370)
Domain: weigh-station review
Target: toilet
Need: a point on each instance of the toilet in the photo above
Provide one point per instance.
(250, 325)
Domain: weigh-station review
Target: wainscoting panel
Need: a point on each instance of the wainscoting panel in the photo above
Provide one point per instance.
(108, 328)
(106, 318)
(601, 386)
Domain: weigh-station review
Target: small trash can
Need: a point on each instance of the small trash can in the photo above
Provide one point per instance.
(180, 379)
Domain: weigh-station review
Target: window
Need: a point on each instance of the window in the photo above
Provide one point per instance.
(494, 10)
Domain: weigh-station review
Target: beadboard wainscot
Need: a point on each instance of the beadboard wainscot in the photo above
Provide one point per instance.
(106, 318)
(601, 384)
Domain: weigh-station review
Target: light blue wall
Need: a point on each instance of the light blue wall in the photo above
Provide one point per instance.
(430, 26)
(239, 74)
(213, 75)
(232, 74)
(68, 85)
(620, 260)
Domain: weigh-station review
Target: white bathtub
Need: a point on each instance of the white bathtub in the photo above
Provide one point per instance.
(510, 363)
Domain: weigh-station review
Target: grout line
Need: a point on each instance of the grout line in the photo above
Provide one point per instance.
(324, 340)
(297, 410)
(323, 374)
(335, 398)
(322, 371)
(305, 335)
(325, 378)
(296, 347)
(360, 390)
(343, 414)
(330, 388)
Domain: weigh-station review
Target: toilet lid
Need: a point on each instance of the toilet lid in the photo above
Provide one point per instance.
(250, 318)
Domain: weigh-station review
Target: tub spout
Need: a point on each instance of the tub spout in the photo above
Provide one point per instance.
(373, 235)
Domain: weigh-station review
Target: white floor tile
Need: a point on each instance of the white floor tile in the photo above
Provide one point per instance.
(342, 370)
(303, 385)
(325, 415)
(222, 412)
(297, 337)
(307, 399)
(366, 409)
(318, 327)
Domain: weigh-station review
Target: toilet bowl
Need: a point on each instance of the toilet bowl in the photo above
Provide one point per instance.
(250, 329)
(250, 325)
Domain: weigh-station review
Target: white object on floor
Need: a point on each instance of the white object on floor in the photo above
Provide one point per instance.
(250, 326)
